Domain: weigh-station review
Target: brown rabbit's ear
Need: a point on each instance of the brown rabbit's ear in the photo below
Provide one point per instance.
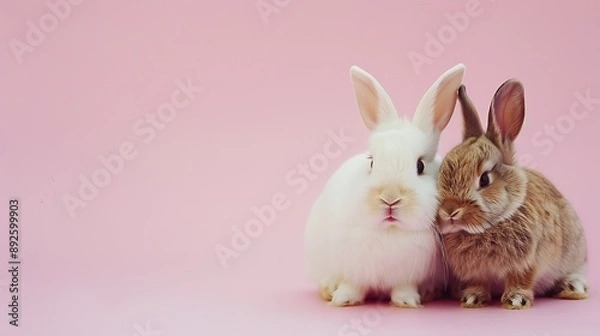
(472, 124)
(506, 115)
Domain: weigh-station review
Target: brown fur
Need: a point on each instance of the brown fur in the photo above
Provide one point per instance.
(533, 240)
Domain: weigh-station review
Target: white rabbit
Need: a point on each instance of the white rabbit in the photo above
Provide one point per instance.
(372, 230)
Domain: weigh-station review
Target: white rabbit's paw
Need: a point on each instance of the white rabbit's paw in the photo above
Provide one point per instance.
(347, 295)
(407, 297)
(326, 290)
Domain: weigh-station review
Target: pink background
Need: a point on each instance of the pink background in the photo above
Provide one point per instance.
(143, 249)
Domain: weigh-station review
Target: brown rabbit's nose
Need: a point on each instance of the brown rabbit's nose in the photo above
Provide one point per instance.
(456, 214)
(450, 211)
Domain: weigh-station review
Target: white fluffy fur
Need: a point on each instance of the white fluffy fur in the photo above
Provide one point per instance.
(351, 249)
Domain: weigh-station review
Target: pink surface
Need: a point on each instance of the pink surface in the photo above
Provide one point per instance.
(142, 248)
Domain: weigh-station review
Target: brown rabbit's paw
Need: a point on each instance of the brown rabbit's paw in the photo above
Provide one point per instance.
(517, 300)
(474, 301)
(572, 289)
(475, 298)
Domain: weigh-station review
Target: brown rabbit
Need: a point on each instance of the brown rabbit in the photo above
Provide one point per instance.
(507, 230)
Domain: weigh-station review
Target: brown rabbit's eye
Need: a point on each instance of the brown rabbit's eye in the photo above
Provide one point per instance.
(420, 167)
(484, 180)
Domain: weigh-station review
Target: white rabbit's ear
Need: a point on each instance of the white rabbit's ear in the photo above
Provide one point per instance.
(437, 105)
(374, 103)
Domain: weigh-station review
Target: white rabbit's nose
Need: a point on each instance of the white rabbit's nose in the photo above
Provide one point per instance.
(390, 203)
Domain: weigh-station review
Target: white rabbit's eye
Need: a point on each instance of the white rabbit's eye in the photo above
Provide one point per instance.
(370, 158)
(420, 167)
